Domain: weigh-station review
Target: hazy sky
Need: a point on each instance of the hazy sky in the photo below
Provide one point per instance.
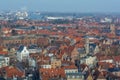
(62, 5)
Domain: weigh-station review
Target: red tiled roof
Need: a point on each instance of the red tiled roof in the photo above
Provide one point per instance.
(116, 58)
(3, 52)
(106, 65)
(13, 71)
(49, 73)
(70, 67)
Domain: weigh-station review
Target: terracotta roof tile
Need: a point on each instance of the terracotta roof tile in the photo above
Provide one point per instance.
(50, 73)
(13, 71)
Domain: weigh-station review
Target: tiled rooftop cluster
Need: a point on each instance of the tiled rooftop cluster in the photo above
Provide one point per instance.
(84, 48)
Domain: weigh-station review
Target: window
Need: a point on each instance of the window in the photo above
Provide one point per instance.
(24, 50)
(19, 42)
(77, 76)
(68, 76)
(16, 41)
(73, 77)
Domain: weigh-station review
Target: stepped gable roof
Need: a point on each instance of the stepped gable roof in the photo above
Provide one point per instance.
(21, 48)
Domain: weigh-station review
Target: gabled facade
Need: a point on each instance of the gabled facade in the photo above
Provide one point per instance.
(73, 74)
(89, 60)
(22, 53)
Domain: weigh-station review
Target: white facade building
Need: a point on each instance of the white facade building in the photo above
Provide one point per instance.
(89, 60)
(22, 53)
(4, 61)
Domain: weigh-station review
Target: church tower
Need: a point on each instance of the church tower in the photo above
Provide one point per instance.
(112, 28)
(87, 45)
